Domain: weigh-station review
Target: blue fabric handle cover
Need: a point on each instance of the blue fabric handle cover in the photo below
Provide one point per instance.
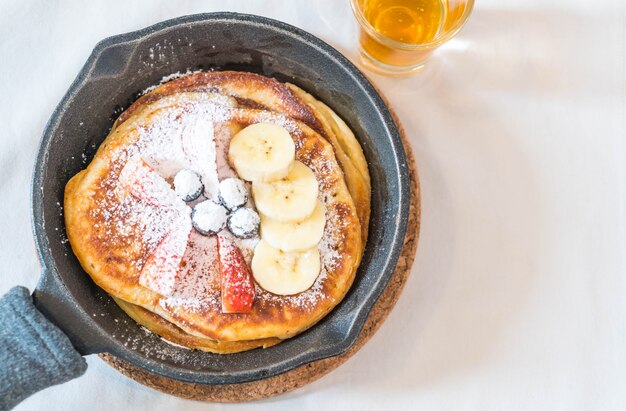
(34, 353)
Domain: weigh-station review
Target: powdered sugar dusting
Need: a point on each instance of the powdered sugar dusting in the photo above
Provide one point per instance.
(147, 204)
(183, 137)
(169, 77)
(199, 276)
(160, 273)
(194, 133)
(149, 214)
(223, 135)
(198, 145)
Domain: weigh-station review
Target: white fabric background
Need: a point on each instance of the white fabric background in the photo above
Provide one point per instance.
(517, 300)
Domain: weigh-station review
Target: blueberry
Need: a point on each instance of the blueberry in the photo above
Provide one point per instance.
(244, 223)
(233, 193)
(209, 217)
(188, 185)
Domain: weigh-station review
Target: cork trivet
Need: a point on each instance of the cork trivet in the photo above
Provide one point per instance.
(307, 373)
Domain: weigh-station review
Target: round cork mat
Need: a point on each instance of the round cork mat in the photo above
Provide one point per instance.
(306, 373)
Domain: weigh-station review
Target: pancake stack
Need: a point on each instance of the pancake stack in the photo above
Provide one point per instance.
(189, 123)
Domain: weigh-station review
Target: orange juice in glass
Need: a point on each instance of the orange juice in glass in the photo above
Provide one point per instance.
(397, 36)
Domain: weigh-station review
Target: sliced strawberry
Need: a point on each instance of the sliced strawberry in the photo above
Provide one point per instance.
(144, 183)
(168, 214)
(236, 280)
(160, 272)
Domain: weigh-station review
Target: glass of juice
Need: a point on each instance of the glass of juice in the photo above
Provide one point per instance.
(397, 36)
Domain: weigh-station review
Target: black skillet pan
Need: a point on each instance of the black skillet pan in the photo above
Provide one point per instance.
(117, 70)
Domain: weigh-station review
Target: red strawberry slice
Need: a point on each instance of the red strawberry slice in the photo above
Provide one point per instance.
(160, 272)
(167, 214)
(144, 183)
(236, 280)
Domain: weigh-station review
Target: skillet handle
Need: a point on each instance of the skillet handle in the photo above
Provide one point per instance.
(34, 353)
(52, 298)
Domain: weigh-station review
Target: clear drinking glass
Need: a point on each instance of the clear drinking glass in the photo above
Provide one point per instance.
(396, 37)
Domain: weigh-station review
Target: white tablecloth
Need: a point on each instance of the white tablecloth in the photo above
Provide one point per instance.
(517, 300)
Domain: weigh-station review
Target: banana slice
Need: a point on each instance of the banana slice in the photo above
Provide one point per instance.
(298, 236)
(262, 152)
(285, 273)
(290, 199)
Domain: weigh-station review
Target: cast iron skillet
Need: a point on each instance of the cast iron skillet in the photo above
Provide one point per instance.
(117, 70)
